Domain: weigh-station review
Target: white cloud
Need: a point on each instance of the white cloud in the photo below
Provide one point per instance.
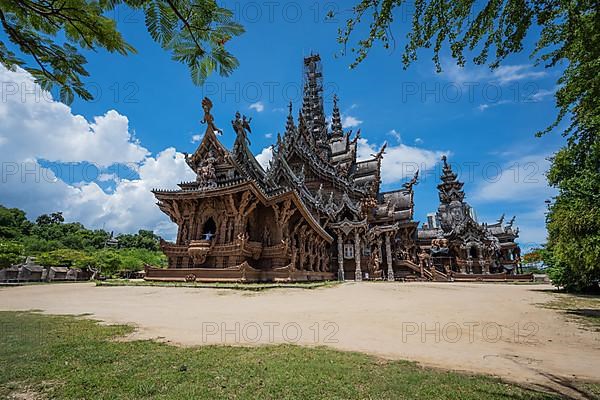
(396, 135)
(521, 182)
(401, 161)
(483, 107)
(34, 124)
(196, 138)
(259, 106)
(418, 141)
(503, 75)
(107, 177)
(46, 129)
(517, 181)
(264, 157)
(510, 73)
(268, 135)
(541, 94)
(349, 121)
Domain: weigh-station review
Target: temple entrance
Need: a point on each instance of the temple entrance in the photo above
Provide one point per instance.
(473, 252)
(209, 229)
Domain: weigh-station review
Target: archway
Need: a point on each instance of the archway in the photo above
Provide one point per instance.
(473, 253)
(209, 229)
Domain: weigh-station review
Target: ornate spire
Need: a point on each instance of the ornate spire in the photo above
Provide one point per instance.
(451, 188)
(336, 120)
(290, 126)
(312, 103)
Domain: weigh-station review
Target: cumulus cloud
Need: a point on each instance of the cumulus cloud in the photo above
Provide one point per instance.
(264, 157)
(34, 124)
(259, 106)
(348, 121)
(400, 161)
(519, 180)
(196, 138)
(35, 129)
(268, 135)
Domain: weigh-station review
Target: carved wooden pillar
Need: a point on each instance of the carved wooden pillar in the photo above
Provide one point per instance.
(485, 266)
(302, 246)
(358, 271)
(388, 253)
(340, 244)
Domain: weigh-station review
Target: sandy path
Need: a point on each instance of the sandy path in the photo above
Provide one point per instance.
(492, 329)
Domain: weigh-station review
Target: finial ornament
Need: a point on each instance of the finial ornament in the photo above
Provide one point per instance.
(409, 185)
(207, 106)
(512, 221)
(208, 118)
(381, 152)
(241, 125)
(445, 160)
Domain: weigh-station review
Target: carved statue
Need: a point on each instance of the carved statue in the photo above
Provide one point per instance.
(424, 258)
(456, 212)
(266, 236)
(229, 235)
(206, 174)
(241, 125)
(376, 261)
(184, 232)
(208, 118)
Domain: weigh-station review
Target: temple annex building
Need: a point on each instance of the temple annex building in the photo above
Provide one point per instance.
(317, 213)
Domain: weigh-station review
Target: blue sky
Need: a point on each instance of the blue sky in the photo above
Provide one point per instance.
(485, 120)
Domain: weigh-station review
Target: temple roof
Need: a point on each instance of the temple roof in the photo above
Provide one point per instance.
(308, 153)
(451, 188)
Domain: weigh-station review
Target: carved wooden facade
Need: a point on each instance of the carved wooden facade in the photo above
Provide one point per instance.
(316, 213)
(458, 244)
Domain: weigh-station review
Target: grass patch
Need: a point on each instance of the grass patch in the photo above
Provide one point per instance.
(219, 285)
(62, 357)
(583, 309)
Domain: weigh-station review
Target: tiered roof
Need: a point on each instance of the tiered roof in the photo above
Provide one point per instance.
(451, 188)
(308, 152)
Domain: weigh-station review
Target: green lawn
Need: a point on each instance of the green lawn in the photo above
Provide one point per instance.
(219, 285)
(62, 357)
(584, 309)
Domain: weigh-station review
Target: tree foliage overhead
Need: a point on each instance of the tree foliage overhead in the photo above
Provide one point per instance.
(567, 38)
(51, 34)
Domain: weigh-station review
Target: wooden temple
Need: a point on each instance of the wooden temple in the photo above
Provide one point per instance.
(317, 213)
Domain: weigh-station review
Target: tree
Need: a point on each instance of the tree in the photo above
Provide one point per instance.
(533, 256)
(52, 34)
(569, 38)
(64, 258)
(10, 253)
(13, 223)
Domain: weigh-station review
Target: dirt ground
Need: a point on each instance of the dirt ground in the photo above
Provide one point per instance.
(494, 329)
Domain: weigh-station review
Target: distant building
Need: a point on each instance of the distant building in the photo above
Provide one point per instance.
(459, 243)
